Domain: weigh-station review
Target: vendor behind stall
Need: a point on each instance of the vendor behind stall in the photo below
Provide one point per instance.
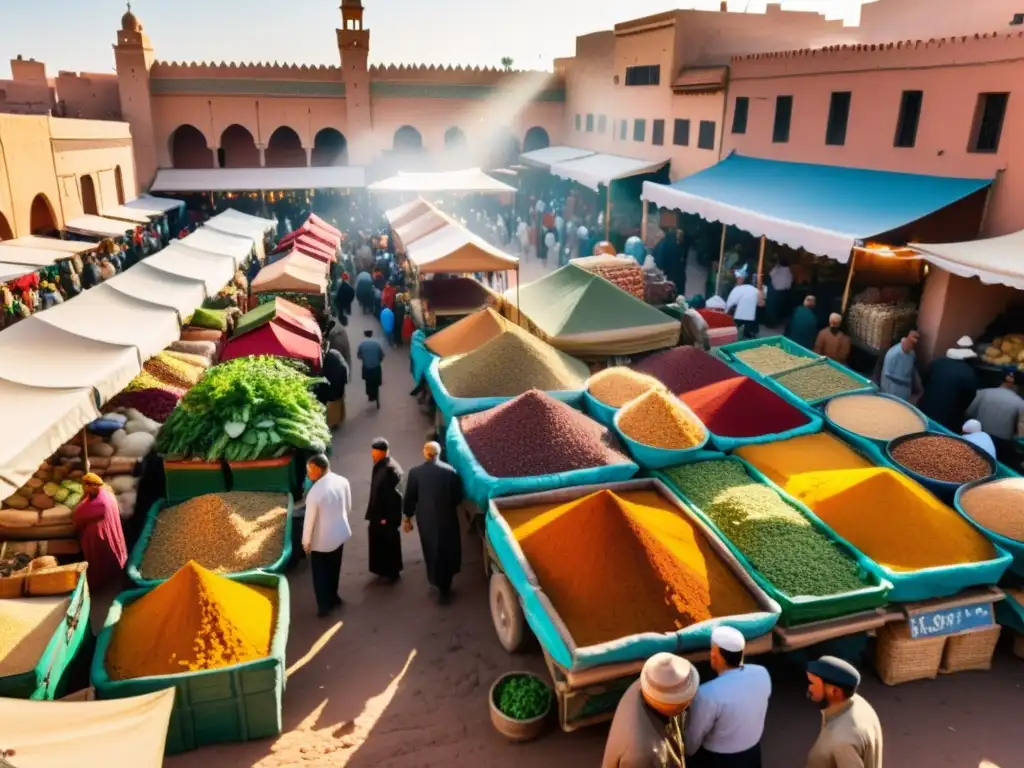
(803, 325)
(951, 385)
(98, 522)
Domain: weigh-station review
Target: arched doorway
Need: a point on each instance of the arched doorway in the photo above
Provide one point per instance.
(89, 206)
(189, 148)
(119, 184)
(238, 148)
(536, 138)
(285, 150)
(407, 139)
(330, 148)
(454, 138)
(6, 233)
(41, 218)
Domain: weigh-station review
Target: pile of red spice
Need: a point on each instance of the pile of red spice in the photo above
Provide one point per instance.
(716, 319)
(682, 369)
(741, 407)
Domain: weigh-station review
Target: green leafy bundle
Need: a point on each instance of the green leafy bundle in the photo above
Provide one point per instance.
(246, 409)
(522, 697)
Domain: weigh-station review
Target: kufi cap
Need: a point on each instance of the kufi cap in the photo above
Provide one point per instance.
(728, 639)
(835, 671)
(961, 353)
(380, 444)
(965, 342)
(971, 426)
(669, 679)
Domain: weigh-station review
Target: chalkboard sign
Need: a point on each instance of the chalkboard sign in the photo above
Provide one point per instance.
(951, 621)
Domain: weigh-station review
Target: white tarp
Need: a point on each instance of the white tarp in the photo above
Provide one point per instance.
(36, 423)
(258, 222)
(596, 170)
(10, 271)
(105, 314)
(150, 203)
(454, 249)
(294, 272)
(405, 213)
(992, 260)
(59, 734)
(257, 179)
(98, 226)
(414, 229)
(182, 294)
(238, 247)
(545, 158)
(467, 180)
(212, 269)
(135, 215)
(66, 247)
(230, 225)
(38, 354)
(32, 257)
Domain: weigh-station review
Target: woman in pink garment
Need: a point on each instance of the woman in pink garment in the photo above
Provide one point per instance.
(98, 522)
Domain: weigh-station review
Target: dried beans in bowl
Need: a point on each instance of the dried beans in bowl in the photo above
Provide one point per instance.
(941, 457)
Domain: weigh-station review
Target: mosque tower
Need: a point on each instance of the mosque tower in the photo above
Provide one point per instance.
(133, 56)
(354, 47)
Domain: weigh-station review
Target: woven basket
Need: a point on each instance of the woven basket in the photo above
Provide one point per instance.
(971, 650)
(61, 580)
(1018, 645)
(900, 658)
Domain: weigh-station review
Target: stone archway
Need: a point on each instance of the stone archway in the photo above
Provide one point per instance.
(238, 148)
(455, 138)
(536, 138)
(41, 218)
(119, 184)
(89, 205)
(6, 233)
(189, 148)
(330, 147)
(407, 139)
(285, 150)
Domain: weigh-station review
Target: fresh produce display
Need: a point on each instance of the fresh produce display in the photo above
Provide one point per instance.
(212, 319)
(535, 434)
(223, 532)
(522, 697)
(741, 407)
(683, 369)
(874, 416)
(997, 506)
(618, 385)
(944, 458)
(26, 626)
(819, 381)
(779, 541)
(467, 334)
(618, 564)
(770, 359)
(174, 372)
(195, 620)
(246, 409)
(146, 380)
(659, 420)
(155, 404)
(1006, 351)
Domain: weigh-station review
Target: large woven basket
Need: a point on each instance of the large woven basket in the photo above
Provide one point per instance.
(971, 650)
(12, 587)
(901, 659)
(60, 580)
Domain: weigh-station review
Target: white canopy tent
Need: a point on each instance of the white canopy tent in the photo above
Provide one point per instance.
(295, 272)
(414, 229)
(36, 423)
(545, 158)
(106, 314)
(454, 249)
(403, 214)
(238, 247)
(257, 179)
(38, 354)
(467, 180)
(147, 283)
(258, 222)
(212, 269)
(98, 226)
(68, 247)
(10, 271)
(134, 215)
(601, 170)
(151, 203)
(230, 225)
(34, 257)
(992, 260)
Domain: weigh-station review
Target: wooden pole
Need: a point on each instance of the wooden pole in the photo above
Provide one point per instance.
(721, 260)
(643, 221)
(849, 282)
(85, 450)
(607, 212)
(760, 264)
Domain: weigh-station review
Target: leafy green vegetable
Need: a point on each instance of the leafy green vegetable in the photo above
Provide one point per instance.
(522, 697)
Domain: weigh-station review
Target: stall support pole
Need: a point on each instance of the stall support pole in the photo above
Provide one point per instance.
(263, 202)
(643, 221)
(849, 281)
(760, 264)
(607, 212)
(213, 203)
(519, 312)
(721, 260)
(85, 450)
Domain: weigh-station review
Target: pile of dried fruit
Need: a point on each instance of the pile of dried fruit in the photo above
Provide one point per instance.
(874, 416)
(944, 458)
(769, 359)
(819, 381)
(997, 506)
(659, 420)
(682, 369)
(618, 385)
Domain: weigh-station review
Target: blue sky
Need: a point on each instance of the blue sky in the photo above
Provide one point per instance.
(77, 35)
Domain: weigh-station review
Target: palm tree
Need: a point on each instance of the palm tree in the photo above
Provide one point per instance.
(506, 63)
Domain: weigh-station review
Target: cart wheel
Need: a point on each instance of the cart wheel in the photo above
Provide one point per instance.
(507, 614)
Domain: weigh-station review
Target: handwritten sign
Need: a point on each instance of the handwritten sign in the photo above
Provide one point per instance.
(951, 621)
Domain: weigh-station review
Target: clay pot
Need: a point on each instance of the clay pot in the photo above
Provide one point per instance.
(517, 730)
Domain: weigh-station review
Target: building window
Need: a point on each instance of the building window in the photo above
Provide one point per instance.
(639, 130)
(658, 133)
(577, 122)
(623, 127)
(681, 133)
(739, 114)
(590, 123)
(643, 75)
(783, 118)
(706, 135)
(988, 121)
(602, 123)
(910, 116)
(838, 117)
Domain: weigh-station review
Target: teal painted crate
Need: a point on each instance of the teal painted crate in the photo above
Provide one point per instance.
(728, 352)
(48, 679)
(1014, 547)
(132, 568)
(188, 479)
(864, 385)
(262, 474)
(236, 703)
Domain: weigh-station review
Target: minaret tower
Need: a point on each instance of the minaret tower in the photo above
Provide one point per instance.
(354, 47)
(133, 56)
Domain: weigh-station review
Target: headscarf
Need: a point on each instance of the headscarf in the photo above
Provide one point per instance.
(92, 479)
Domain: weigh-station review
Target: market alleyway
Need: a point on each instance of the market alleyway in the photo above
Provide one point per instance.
(396, 681)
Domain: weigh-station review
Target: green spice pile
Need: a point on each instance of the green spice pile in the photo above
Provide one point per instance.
(817, 382)
(769, 359)
(522, 697)
(779, 541)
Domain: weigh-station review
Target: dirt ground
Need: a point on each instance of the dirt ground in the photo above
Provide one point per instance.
(396, 681)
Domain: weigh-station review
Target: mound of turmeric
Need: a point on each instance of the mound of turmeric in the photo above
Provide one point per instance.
(196, 620)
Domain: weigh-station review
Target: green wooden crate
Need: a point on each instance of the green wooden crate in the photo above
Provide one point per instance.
(188, 479)
(262, 475)
(236, 703)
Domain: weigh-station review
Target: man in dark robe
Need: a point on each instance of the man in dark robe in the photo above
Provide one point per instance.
(384, 514)
(803, 325)
(951, 386)
(344, 296)
(433, 493)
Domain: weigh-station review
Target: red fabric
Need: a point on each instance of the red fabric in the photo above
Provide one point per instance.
(301, 315)
(274, 339)
(326, 237)
(741, 407)
(26, 282)
(387, 297)
(307, 245)
(548, 220)
(716, 319)
(321, 223)
(408, 329)
(98, 523)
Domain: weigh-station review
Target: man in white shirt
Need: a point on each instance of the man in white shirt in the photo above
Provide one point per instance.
(325, 531)
(974, 434)
(742, 305)
(726, 719)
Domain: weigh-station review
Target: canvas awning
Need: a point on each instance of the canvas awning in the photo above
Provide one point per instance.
(66, 247)
(415, 229)
(276, 339)
(105, 314)
(98, 226)
(241, 229)
(324, 237)
(454, 249)
(295, 273)
(992, 260)
(257, 179)
(601, 170)
(405, 213)
(467, 180)
(307, 246)
(134, 215)
(545, 158)
(212, 269)
(182, 294)
(325, 225)
(36, 423)
(152, 203)
(291, 316)
(238, 247)
(39, 354)
(825, 210)
(10, 271)
(31, 257)
(258, 222)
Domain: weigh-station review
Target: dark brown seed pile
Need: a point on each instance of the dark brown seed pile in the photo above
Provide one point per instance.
(942, 458)
(535, 434)
(684, 369)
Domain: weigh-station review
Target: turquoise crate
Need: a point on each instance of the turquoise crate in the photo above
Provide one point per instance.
(188, 479)
(1014, 547)
(420, 356)
(262, 474)
(801, 609)
(236, 703)
(139, 550)
(598, 411)
(728, 351)
(866, 386)
(650, 457)
(49, 678)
